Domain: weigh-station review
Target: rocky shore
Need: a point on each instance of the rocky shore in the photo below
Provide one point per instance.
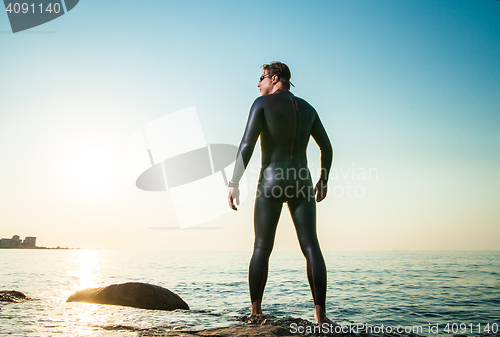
(268, 326)
(259, 325)
(262, 325)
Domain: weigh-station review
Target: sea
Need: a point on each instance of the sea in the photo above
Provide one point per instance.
(410, 289)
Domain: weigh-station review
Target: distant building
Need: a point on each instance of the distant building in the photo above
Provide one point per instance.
(29, 242)
(5, 243)
(16, 242)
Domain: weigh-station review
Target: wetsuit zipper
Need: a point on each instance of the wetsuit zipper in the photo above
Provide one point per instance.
(295, 129)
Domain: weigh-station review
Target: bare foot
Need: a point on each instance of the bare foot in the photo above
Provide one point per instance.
(258, 319)
(256, 308)
(320, 316)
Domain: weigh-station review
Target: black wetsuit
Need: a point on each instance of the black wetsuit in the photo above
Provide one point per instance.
(284, 123)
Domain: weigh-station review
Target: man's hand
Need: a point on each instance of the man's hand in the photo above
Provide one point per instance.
(234, 194)
(320, 190)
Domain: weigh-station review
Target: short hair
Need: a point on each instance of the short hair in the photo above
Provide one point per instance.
(281, 70)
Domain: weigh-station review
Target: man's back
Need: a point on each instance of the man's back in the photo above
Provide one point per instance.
(287, 126)
(284, 123)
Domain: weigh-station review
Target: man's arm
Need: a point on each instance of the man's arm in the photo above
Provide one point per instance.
(252, 132)
(319, 135)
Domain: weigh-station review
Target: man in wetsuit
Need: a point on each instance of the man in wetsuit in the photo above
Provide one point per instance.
(284, 123)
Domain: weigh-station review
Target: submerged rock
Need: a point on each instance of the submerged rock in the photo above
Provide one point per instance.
(131, 294)
(12, 296)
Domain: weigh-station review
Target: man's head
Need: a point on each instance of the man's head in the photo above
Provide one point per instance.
(275, 76)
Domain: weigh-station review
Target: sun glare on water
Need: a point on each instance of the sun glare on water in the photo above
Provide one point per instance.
(87, 271)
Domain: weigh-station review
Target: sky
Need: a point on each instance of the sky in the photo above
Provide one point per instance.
(408, 91)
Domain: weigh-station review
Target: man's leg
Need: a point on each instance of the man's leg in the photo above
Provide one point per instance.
(266, 215)
(303, 212)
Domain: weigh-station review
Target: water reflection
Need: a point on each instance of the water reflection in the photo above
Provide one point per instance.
(86, 270)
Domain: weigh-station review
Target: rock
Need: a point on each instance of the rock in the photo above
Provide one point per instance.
(259, 325)
(245, 331)
(12, 296)
(131, 294)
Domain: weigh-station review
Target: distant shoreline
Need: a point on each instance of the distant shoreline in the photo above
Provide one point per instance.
(31, 248)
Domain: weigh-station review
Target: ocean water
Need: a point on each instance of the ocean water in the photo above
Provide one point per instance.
(390, 288)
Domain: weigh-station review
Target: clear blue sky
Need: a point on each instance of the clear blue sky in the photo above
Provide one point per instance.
(410, 89)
